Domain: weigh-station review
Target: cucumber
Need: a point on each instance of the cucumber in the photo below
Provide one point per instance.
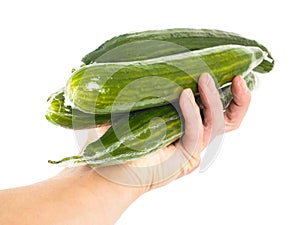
(129, 144)
(146, 134)
(104, 88)
(157, 43)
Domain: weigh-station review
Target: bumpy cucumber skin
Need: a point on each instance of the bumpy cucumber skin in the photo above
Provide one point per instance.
(157, 43)
(99, 88)
(66, 116)
(146, 134)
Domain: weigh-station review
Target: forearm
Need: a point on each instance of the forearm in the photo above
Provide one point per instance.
(76, 196)
(48, 202)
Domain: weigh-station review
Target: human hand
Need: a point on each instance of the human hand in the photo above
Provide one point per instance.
(183, 156)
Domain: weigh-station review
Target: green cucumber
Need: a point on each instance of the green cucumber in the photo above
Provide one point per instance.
(104, 88)
(146, 134)
(157, 43)
(129, 144)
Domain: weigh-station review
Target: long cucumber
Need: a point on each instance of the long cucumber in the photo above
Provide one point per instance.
(121, 87)
(157, 43)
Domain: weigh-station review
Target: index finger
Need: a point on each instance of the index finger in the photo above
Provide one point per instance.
(213, 109)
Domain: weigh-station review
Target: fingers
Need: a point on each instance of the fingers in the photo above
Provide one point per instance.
(213, 109)
(193, 128)
(239, 105)
(197, 136)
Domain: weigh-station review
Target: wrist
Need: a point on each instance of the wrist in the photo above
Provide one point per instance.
(92, 181)
(104, 197)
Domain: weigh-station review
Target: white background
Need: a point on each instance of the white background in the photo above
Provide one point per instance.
(255, 179)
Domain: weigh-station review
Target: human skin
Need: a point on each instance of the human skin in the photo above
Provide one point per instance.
(81, 195)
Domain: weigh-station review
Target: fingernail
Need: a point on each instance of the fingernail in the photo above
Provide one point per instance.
(209, 82)
(188, 98)
(243, 85)
(188, 93)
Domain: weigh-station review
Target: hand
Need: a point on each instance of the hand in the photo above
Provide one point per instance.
(89, 195)
(183, 156)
